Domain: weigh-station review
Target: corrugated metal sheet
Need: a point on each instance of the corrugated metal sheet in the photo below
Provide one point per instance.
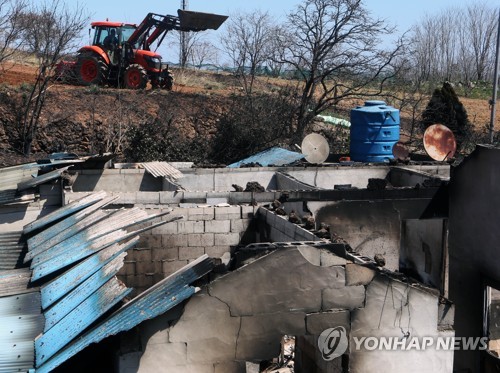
(14, 282)
(271, 157)
(64, 211)
(82, 245)
(83, 291)
(153, 302)
(162, 169)
(21, 321)
(11, 176)
(59, 287)
(86, 240)
(79, 319)
(41, 179)
(66, 227)
(11, 250)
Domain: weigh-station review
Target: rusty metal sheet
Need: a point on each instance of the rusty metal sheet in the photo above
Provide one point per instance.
(153, 302)
(64, 211)
(162, 169)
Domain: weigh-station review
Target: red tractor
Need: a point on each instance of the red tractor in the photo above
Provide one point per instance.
(121, 56)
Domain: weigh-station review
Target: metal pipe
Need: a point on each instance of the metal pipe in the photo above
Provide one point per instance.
(495, 84)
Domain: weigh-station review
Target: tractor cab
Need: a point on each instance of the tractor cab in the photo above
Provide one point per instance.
(103, 30)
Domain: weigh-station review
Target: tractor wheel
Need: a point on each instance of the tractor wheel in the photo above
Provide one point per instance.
(91, 70)
(135, 77)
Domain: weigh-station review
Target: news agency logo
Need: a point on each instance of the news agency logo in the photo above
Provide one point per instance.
(333, 342)
(420, 343)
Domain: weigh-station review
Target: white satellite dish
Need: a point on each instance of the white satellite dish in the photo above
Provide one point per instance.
(315, 148)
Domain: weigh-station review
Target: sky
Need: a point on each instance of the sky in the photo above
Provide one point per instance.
(400, 13)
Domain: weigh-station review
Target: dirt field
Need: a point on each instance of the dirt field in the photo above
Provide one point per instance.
(195, 102)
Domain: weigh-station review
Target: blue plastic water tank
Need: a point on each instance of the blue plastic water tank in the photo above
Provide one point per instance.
(374, 131)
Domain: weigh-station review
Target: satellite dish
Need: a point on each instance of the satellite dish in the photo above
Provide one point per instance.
(439, 142)
(315, 148)
(400, 151)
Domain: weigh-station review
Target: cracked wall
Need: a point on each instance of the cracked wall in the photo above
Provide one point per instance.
(299, 291)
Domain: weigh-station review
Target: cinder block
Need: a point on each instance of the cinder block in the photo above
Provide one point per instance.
(218, 226)
(172, 240)
(316, 323)
(171, 266)
(168, 228)
(148, 197)
(348, 297)
(139, 254)
(290, 230)
(248, 212)
(143, 268)
(199, 213)
(171, 198)
(165, 253)
(216, 251)
(227, 213)
(149, 240)
(226, 239)
(190, 252)
(127, 198)
(128, 268)
(189, 227)
(358, 275)
(240, 225)
(139, 281)
(231, 367)
(280, 222)
(205, 239)
(163, 357)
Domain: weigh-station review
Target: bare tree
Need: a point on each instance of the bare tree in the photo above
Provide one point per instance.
(203, 52)
(456, 44)
(481, 21)
(334, 46)
(57, 28)
(247, 41)
(10, 27)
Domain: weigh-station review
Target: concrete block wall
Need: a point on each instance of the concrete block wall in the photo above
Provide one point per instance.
(163, 250)
(243, 315)
(279, 229)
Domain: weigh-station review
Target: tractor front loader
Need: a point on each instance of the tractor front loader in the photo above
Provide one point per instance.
(128, 61)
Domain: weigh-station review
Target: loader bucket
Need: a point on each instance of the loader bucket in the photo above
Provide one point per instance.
(198, 21)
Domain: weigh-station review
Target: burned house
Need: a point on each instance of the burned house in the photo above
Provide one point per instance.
(209, 277)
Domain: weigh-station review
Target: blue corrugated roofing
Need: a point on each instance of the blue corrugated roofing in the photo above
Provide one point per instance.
(84, 241)
(153, 302)
(86, 291)
(271, 157)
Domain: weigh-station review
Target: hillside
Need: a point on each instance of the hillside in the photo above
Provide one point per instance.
(89, 120)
